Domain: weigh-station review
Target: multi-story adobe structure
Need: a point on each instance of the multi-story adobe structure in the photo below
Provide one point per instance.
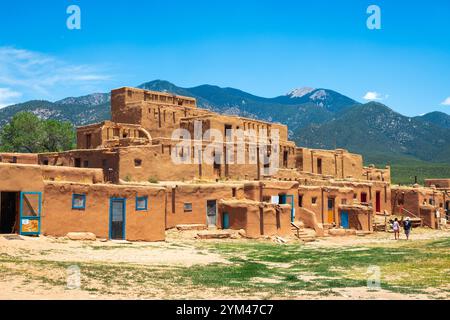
(122, 183)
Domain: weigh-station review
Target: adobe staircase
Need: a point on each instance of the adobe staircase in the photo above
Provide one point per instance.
(301, 233)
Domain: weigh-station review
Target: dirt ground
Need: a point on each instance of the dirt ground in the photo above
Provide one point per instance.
(35, 268)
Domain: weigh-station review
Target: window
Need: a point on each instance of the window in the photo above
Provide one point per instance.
(45, 162)
(79, 201)
(233, 192)
(188, 207)
(300, 200)
(88, 141)
(319, 166)
(137, 162)
(430, 201)
(77, 162)
(344, 201)
(141, 203)
(86, 164)
(314, 200)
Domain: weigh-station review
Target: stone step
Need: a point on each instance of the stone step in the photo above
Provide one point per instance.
(185, 227)
(214, 235)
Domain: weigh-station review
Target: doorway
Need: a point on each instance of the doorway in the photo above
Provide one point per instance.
(378, 201)
(330, 210)
(363, 197)
(288, 199)
(8, 212)
(217, 165)
(211, 213)
(117, 219)
(447, 210)
(225, 221)
(344, 220)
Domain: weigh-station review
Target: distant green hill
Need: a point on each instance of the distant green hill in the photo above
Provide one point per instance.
(437, 118)
(373, 129)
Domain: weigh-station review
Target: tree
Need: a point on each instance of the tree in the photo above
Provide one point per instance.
(59, 136)
(27, 133)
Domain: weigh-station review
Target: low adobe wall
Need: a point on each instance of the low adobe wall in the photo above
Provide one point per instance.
(257, 219)
(359, 217)
(81, 175)
(20, 177)
(197, 195)
(22, 158)
(58, 217)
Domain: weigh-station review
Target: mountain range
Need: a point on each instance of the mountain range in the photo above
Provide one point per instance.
(319, 118)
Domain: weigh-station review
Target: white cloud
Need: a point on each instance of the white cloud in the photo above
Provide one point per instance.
(8, 96)
(37, 75)
(446, 102)
(372, 95)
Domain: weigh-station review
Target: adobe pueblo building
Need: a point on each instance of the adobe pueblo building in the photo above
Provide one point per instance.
(147, 170)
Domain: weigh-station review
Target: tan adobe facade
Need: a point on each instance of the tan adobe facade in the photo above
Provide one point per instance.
(122, 183)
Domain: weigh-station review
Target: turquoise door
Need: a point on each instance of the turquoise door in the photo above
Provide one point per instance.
(30, 213)
(225, 221)
(344, 220)
(289, 199)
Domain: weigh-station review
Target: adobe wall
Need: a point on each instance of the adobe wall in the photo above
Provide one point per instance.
(438, 183)
(23, 158)
(58, 217)
(372, 173)
(81, 175)
(110, 134)
(337, 163)
(257, 219)
(412, 198)
(197, 195)
(359, 217)
(158, 112)
(105, 159)
(21, 177)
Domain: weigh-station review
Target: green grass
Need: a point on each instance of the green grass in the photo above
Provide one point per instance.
(256, 268)
(403, 268)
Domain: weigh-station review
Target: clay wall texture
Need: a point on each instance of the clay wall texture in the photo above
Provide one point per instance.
(59, 218)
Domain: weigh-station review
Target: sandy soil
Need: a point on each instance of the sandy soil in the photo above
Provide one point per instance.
(178, 250)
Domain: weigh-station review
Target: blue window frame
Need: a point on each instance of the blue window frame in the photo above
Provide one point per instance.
(141, 203)
(78, 201)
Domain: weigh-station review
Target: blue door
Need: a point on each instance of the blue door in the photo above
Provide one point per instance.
(117, 219)
(344, 220)
(225, 221)
(289, 199)
(30, 213)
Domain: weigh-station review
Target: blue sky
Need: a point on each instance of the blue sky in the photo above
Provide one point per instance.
(264, 47)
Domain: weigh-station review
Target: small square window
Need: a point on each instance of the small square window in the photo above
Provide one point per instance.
(137, 162)
(79, 201)
(141, 203)
(314, 200)
(188, 207)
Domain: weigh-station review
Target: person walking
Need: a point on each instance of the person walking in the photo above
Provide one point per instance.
(396, 227)
(407, 226)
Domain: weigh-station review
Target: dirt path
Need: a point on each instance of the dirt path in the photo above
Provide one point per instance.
(31, 268)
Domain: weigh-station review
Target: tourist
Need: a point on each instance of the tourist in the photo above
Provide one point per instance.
(396, 227)
(407, 227)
